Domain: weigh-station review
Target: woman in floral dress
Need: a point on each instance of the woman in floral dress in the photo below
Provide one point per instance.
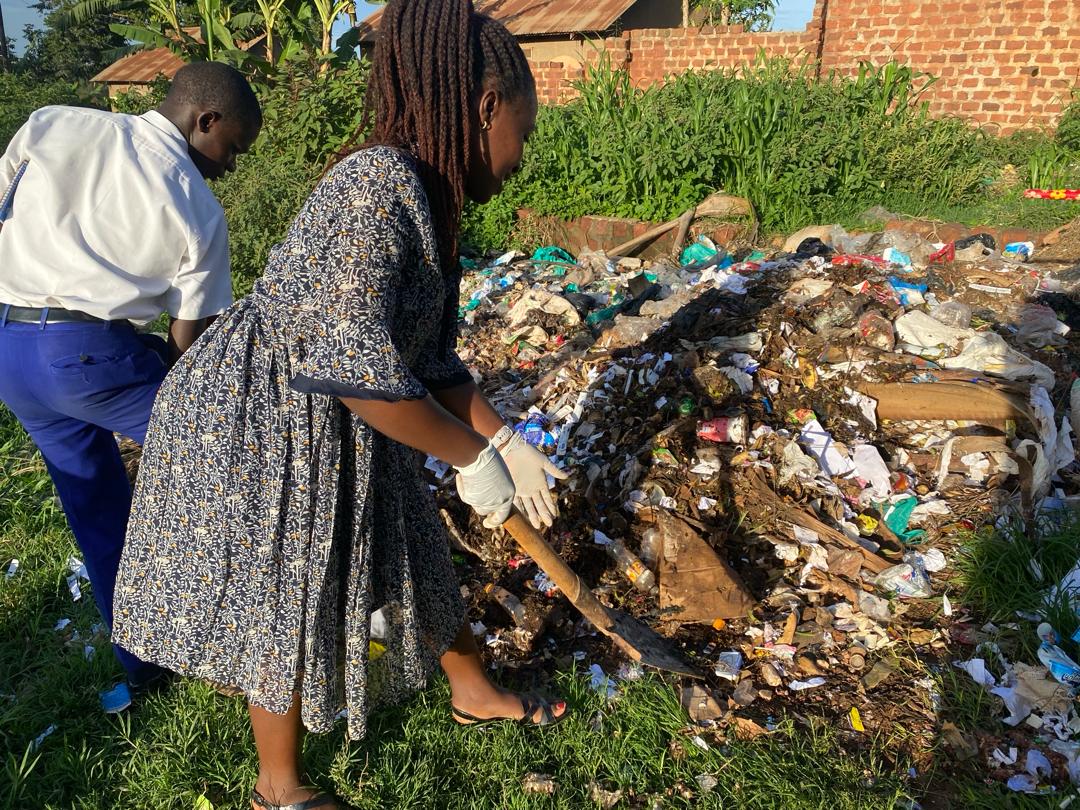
(280, 502)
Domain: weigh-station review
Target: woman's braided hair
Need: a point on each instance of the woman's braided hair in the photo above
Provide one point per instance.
(432, 57)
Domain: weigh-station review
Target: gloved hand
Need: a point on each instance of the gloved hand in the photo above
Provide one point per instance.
(487, 487)
(529, 469)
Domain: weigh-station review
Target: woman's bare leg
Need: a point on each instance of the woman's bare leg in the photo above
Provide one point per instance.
(277, 739)
(470, 689)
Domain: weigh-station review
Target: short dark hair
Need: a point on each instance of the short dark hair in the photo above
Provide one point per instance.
(215, 86)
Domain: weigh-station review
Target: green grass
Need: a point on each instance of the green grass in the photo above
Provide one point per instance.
(1006, 210)
(188, 742)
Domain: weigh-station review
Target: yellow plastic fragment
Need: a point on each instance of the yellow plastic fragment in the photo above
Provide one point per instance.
(856, 720)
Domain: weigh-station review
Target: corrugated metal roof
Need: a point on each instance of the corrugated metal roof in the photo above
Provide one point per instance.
(537, 17)
(144, 66)
(141, 67)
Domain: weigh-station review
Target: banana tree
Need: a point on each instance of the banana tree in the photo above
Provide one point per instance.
(328, 11)
(219, 28)
(272, 13)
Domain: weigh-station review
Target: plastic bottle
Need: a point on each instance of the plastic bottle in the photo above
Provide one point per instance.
(877, 331)
(650, 547)
(856, 657)
(1063, 668)
(952, 313)
(631, 567)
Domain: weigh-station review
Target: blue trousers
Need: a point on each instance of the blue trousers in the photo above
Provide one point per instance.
(72, 385)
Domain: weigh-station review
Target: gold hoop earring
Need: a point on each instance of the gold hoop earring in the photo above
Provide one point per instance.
(485, 125)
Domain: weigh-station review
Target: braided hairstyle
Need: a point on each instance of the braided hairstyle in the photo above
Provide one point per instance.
(432, 59)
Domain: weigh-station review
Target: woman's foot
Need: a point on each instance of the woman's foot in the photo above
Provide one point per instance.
(494, 703)
(283, 797)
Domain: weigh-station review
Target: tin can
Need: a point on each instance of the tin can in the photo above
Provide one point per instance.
(725, 429)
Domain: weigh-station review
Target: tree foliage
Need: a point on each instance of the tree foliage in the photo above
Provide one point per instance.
(73, 54)
(754, 15)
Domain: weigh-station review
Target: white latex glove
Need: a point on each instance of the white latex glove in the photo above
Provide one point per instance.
(487, 487)
(530, 469)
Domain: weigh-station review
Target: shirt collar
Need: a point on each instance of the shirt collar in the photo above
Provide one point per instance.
(165, 125)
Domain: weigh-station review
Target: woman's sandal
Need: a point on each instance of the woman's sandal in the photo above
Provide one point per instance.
(321, 800)
(529, 703)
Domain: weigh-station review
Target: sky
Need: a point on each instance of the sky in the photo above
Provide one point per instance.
(790, 15)
(793, 15)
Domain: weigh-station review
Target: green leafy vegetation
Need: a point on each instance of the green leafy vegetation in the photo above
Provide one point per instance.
(803, 151)
(22, 93)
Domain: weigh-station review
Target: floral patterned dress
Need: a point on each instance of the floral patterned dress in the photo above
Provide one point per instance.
(269, 522)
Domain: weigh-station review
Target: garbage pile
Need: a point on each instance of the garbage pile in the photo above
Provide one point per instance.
(774, 455)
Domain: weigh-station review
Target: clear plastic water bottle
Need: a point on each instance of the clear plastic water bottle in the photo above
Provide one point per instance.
(631, 567)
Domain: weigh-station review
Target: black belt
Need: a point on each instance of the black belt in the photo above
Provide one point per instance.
(52, 315)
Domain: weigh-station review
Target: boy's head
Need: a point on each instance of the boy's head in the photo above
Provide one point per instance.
(217, 111)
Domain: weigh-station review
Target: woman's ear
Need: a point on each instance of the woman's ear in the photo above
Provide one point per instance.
(488, 106)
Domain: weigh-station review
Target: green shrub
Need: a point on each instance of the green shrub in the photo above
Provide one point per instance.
(307, 119)
(138, 100)
(21, 94)
(1068, 130)
(801, 149)
(260, 198)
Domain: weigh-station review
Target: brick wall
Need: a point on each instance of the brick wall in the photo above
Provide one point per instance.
(1009, 63)
(1005, 62)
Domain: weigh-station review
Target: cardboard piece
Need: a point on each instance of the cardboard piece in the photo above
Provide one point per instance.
(694, 580)
(947, 400)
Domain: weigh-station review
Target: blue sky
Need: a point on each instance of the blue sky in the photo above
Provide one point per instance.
(790, 15)
(793, 15)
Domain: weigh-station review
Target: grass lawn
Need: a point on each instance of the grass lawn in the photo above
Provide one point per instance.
(188, 747)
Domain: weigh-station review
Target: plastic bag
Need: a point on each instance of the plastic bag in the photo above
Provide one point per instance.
(989, 353)
(1037, 325)
(701, 251)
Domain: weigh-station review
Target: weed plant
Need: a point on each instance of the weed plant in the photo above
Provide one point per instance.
(802, 149)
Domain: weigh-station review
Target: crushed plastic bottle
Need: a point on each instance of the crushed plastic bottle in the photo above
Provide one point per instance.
(1063, 668)
(905, 580)
(631, 567)
(1018, 251)
(840, 310)
(533, 431)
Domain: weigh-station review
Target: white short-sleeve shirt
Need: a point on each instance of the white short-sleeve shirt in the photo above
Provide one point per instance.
(110, 217)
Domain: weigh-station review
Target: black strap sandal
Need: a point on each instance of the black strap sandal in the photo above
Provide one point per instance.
(529, 703)
(322, 800)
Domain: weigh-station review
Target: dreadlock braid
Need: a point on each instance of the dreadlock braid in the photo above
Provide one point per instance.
(431, 58)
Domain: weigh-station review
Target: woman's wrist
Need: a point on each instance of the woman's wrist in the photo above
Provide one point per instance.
(475, 444)
(501, 438)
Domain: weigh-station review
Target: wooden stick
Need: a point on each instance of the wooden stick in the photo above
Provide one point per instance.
(684, 229)
(638, 241)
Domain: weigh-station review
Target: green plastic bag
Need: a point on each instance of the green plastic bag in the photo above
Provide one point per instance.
(700, 251)
(898, 518)
(551, 253)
